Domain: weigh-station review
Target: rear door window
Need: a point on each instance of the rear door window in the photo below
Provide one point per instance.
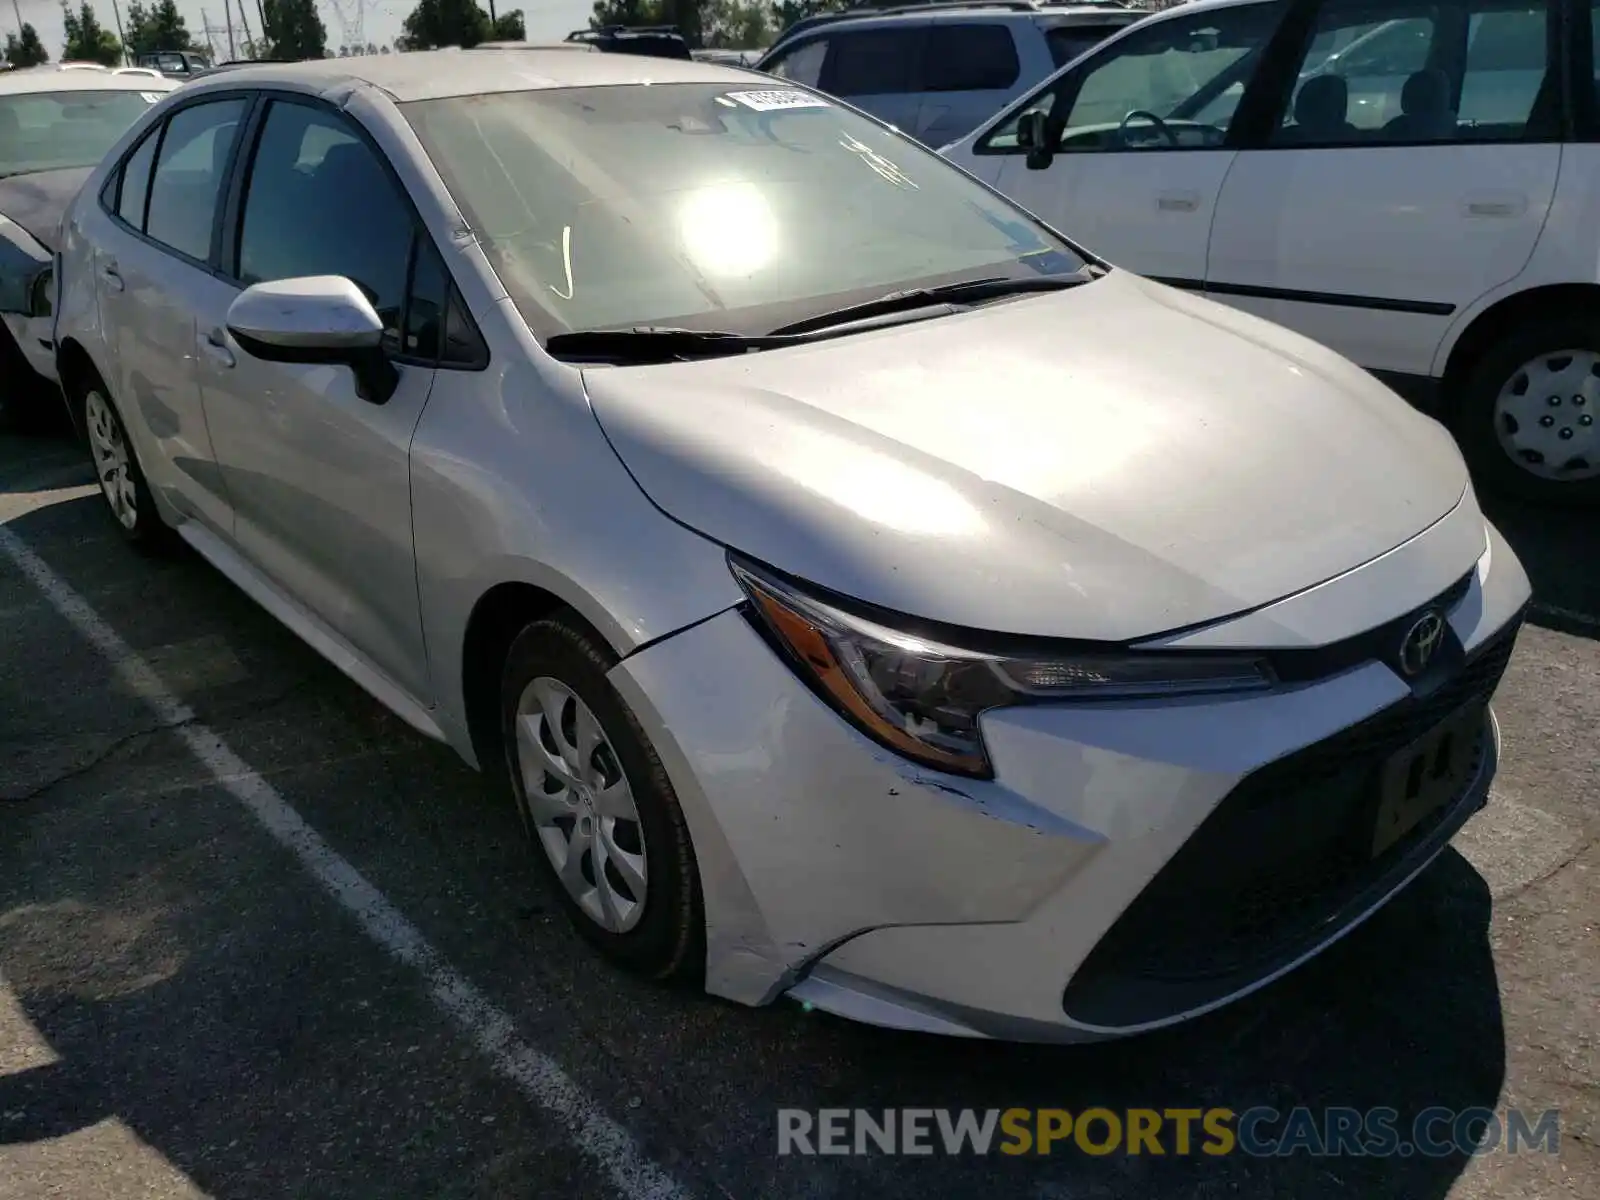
(969, 58)
(191, 167)
(872, 62)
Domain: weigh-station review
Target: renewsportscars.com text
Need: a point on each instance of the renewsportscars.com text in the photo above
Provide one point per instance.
(1259, 1131)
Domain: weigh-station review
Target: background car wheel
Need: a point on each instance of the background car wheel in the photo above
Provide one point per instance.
(122, 482)
(1529, 419)
(598, 804)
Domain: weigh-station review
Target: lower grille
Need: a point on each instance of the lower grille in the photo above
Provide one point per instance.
(1281, 863)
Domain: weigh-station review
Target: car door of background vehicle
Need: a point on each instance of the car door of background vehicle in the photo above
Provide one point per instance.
(320, 478)
(968, 71)
(1367, 225)
(1125, 190)
(148, 266)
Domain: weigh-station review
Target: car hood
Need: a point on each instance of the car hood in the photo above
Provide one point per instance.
(38, 200)
(1106, 463)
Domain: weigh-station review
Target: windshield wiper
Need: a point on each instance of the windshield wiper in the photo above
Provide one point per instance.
(660, 343)
(663, 343)
(968, 291)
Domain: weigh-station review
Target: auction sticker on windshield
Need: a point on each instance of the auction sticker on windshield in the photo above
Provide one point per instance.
(775, 99)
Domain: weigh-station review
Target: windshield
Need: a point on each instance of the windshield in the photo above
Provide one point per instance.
(47, 131)
(710, 206)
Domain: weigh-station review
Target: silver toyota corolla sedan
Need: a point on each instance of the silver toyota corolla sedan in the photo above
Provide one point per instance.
(867, 595)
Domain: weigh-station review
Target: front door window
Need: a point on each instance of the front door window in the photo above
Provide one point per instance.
(1172, 85)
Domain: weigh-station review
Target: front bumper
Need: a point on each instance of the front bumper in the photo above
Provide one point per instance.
(1129, 867)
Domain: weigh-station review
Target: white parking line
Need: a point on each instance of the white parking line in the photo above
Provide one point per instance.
(538, 1076)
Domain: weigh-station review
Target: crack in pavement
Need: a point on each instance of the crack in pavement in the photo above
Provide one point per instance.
(99, 759)
(1545, 876)
(191, 717)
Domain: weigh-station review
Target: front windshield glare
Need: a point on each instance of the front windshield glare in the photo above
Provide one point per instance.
(48, 131)
(711, 206)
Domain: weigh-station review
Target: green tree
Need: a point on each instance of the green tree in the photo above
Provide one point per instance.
(294, 29)
(27, 50)
(435, 23)
(736, 24)
(509, 27)
(157, 27)
(786, 12)
(87, 39)
(685, 14)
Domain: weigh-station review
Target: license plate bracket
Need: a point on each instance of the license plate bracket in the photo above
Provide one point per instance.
(1417, 780)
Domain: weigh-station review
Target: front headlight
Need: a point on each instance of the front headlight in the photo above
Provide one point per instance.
(923, 697)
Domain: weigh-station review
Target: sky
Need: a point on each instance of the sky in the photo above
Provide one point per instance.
(381, 21)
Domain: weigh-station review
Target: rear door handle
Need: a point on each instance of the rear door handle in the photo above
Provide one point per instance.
(112, 278)
(1178, 201)
(1495, 204)
(215, 347)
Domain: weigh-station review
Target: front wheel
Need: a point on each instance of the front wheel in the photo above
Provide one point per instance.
(1529, 418)
(598, 804)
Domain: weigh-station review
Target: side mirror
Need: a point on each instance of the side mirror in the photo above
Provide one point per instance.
(315, 319)
(1033, 135)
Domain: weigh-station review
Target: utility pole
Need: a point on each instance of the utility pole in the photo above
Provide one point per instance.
(122, 38)
(227, 17)
(262, 14)
(17, 9)
(249, 38)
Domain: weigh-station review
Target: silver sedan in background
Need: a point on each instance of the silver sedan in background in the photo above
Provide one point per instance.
(866, 594)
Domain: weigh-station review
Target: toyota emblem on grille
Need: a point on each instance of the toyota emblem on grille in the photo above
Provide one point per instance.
(1420, 644)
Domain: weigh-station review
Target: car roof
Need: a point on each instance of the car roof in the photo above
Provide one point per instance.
(434, 74)
(35, 80)
(936, 11)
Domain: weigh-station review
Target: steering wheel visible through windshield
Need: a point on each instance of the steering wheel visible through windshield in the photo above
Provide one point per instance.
(48, 131)
(1170, 84)
(703, 205)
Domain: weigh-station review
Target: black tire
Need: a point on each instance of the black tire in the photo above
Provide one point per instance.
(668, 942)
(146, 532)
(1474, 417)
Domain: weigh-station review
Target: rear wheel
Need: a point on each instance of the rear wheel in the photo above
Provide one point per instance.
(116, 466)
(597, 803)
(1529, 420)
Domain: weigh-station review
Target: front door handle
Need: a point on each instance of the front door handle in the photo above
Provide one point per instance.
(1495, 204)
(215, 347)
(1178, 201)
(113, 279)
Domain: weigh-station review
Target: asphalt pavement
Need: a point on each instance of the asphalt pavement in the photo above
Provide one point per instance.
(258, 939)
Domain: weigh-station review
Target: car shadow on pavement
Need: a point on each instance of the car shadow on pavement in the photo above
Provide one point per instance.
(197, 987)
(1560, 549)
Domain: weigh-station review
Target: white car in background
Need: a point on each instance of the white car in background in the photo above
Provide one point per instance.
(55, 126)
(1408, 183)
